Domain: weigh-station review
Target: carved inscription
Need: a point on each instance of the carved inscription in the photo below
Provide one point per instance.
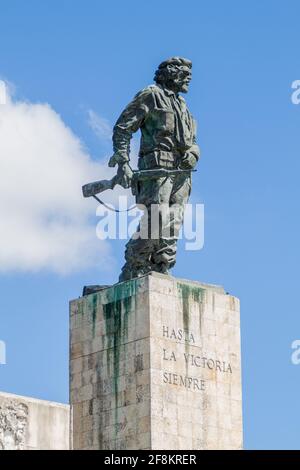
(189, 360)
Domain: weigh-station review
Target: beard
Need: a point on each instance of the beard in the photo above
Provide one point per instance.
(178, 84)
(184, 87)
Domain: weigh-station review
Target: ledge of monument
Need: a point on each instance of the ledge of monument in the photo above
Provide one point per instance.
(92, 289)
(216, 288)
(204, 285)
(87, 290)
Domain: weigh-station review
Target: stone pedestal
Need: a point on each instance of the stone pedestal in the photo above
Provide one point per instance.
(155, 364)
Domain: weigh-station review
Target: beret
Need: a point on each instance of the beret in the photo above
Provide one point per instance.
(175, 61)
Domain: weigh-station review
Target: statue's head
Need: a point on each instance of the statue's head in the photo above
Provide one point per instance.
(175, 74)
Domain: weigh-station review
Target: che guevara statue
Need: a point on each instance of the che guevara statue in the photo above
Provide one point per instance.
(168, 153)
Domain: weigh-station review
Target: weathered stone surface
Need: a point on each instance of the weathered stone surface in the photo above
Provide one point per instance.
(155, 364)
(30, 424)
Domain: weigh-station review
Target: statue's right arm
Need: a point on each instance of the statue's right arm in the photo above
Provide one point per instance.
(129, 122)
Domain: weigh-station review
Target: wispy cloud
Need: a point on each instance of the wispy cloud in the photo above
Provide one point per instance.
(2, 92)
(99, 125)
(103, 129)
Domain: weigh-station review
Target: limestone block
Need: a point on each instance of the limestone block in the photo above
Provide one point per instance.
(155, 364)
(31, 424)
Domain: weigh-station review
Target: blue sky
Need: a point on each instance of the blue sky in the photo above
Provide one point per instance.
(82, 56)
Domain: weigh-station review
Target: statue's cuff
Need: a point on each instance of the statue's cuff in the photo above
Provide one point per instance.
(121, 157)
(194, 150)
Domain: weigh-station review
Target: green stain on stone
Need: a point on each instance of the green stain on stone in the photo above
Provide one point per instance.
(94, 312)
(119, 292)
(80, 308)
(92, 309)
(189, 293)
(116, 314)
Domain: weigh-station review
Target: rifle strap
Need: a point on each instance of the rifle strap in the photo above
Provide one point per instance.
(125, 210)
(111, 208)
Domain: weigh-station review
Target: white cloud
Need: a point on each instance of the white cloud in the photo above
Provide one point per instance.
(45, 221)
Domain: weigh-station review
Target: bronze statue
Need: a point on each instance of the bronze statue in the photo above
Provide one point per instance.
(168, 153)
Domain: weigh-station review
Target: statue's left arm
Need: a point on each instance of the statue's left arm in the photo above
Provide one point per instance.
(192, 156)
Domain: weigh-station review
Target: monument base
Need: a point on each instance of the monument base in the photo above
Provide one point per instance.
(155, 364)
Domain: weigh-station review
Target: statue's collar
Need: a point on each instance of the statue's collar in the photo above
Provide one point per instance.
(176, 96)
(167, 91)
(170, 92)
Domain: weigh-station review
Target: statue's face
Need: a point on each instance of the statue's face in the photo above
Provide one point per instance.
(176, 77)
(181, 79)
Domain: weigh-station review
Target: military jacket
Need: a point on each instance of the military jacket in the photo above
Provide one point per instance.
(165, 122)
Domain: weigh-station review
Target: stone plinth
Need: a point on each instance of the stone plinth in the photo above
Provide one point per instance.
(155, 364)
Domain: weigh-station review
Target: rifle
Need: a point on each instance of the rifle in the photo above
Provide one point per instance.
(91, 189)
